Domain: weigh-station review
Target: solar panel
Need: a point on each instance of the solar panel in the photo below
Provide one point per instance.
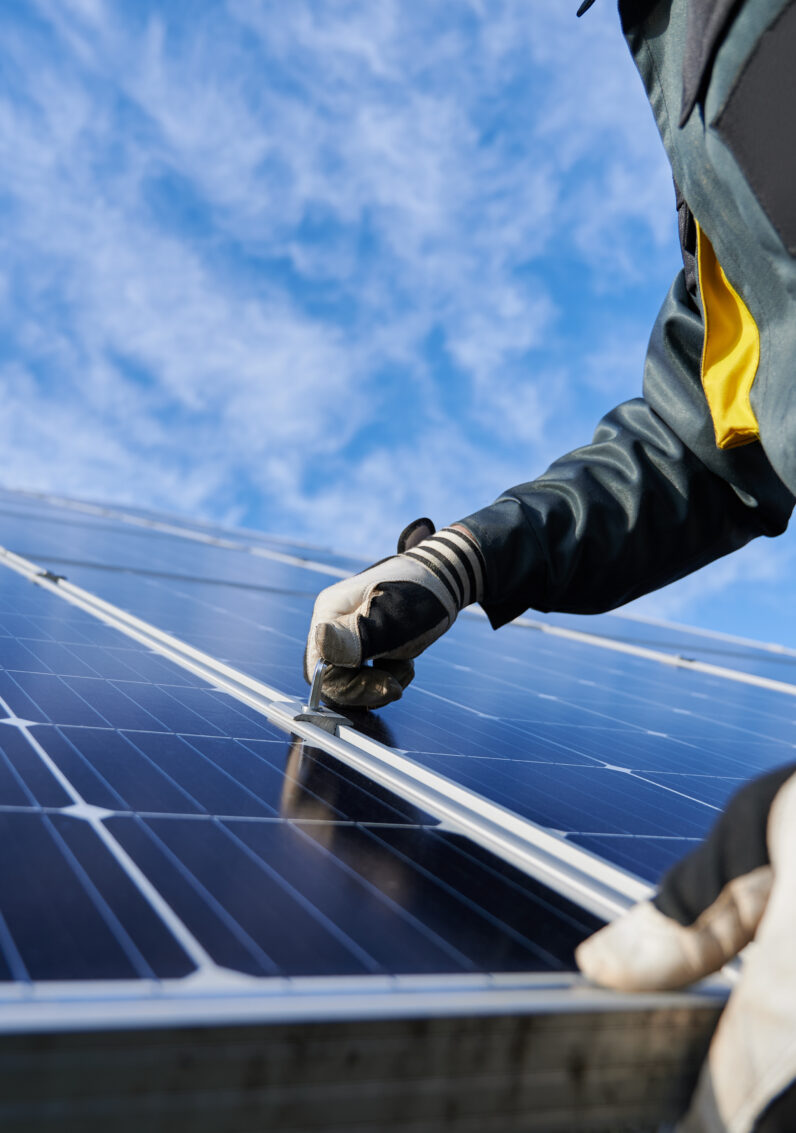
(773, 661)
(277, 859)
(767, 660)
(181, 849)
(589, 742)
(44, 519)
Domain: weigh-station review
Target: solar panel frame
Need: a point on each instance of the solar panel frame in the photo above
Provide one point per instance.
(632, 1065)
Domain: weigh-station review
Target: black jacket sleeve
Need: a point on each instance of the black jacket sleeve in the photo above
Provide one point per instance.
(649, 500)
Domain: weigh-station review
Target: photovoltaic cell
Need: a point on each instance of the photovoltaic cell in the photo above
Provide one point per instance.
(71, 910)
(24, 779)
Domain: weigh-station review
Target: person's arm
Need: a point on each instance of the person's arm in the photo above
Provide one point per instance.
(651, 499)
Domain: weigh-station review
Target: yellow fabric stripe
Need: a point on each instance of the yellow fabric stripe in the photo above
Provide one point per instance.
(730, 353)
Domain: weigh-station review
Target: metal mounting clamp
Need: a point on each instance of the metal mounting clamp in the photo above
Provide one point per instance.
(313, 712)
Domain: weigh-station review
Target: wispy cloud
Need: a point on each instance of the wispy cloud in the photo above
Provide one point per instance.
(319, 266)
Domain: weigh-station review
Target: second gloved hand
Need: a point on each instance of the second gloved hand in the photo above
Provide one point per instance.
(707, 909)
(390, 613)
(735, 887)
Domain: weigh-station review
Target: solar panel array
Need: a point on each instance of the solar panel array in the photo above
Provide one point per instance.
(167, 831)
(618, 753)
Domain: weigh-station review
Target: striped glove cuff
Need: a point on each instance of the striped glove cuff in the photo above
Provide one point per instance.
(456, 560)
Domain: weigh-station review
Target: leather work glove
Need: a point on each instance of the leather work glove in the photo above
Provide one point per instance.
(390, 613)
(738, 886)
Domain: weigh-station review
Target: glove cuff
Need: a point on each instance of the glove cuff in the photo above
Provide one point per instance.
(456, 560)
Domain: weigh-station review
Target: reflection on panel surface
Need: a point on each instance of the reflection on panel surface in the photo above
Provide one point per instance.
(319, 898)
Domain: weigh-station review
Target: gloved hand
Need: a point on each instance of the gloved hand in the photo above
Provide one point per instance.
(739, 885)
(391, 612)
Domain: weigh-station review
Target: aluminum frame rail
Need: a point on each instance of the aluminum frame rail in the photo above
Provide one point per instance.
(627, 1066)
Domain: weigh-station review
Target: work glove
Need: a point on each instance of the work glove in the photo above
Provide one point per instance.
(390, 613)
(737, 886)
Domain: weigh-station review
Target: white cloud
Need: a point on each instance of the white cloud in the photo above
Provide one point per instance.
(350, 182)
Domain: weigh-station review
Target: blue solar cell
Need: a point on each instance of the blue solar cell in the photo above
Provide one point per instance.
(579, 799)
(116, 772)
(647, 858)
(335, 898)
(53, 886)
(86, 780)
(13, 790)
(39, 787)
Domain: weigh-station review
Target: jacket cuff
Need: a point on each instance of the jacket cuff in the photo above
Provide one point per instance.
(516, 568)
(454, 556)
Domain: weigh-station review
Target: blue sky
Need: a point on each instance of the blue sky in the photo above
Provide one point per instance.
(321, 266)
